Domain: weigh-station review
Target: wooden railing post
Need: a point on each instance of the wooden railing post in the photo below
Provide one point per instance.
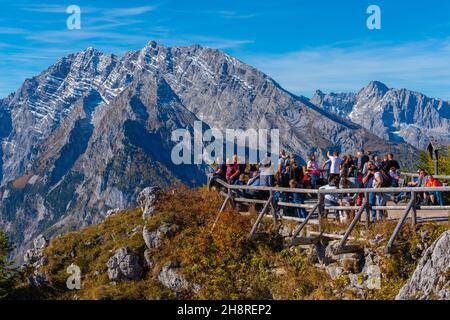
(303, 224)
(261, 215)
(224, 205)
(353, 224)
(320, 209)
(367, 209)
(274, 209)
(414, 209)
(209, 177)
(399, 225)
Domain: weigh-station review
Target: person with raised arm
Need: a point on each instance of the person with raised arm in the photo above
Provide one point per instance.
(335, 165)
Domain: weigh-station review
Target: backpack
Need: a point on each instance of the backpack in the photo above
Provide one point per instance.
(387, 180)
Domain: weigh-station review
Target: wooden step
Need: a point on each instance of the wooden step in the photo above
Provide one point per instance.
(347, 249)
(304, 241)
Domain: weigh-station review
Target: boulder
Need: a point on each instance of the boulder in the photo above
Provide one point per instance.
(285, 231)
(40, 242)
(147, 200)
(36, 259)
(334, 270)
(154, 239)
(36, 253)
(112, 212)
(351, 262)
(377, 240)
(148, 259)
(124, 265)
(431, 278)
(316, 253)
(170, 278)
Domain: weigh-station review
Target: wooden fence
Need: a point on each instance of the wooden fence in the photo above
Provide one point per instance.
(318, 209)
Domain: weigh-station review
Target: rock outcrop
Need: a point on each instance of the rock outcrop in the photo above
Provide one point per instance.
(154, 239)
(36, 259)
(147, 200)
(170, 278)
(124, 265)
(431, 279)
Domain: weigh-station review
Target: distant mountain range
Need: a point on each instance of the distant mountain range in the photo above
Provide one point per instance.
(392, 114)
(91, 131)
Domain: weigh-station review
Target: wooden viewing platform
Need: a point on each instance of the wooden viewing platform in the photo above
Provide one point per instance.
(317, 211)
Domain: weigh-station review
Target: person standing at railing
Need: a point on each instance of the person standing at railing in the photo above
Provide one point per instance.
(233, 171)
(253, 182)
(297, 198)
(391, 163)
(335, 165)
(374, 179)
(313, 170)
(266, 173)
(383, 165)
(362, 160)
(332, 199)
(220, 171)
(436, 196)
(252, 169)
(283, 162)
(326, 167)
(421, 182)
(296, 173)
(240, 182)
(404, 195)
(394, 176)
(365, 169)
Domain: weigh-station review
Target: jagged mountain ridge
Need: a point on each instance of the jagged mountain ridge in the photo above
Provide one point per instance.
(392, 114)
(91, 131)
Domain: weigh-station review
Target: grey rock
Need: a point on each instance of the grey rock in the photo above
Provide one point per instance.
(334, 270)
(284, 231)
(112, 212)
(36, 254)
(36, 258)
(316, 253)
(38, 279)
(377, 240)
(170, 278)
(124, 265)
(147, 200)
(40, 242)
(430, 279)
(134, 231)
(350, 262)
(355, 282)
(28, 257)
(154, 239)
(148, 259)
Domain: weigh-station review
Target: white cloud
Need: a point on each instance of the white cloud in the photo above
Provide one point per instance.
(421, 66)
(238, 16)
(108, 12)
(126, 12)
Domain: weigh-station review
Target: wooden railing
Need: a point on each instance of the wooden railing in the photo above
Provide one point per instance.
(319, 208)
(415, 175)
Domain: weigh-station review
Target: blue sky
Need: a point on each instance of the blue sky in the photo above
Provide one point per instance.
(304, 45)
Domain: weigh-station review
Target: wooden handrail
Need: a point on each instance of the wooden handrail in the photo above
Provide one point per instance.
(232, 197)
(414, 175)
(334, 191)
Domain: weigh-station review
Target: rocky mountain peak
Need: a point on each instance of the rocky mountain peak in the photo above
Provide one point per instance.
(377, 85)
(392, 114)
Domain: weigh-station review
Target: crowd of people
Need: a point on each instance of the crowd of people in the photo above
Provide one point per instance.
(365, 170)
